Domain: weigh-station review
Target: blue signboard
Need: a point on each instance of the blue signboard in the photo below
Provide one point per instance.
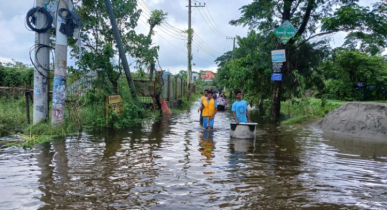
(276, 77)
(278, 56)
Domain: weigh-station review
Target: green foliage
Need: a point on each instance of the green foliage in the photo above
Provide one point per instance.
(345, 69)
(301, 111)
(12, 115)
(307, 60)
(367, 26)
(100, 49)
(250, 70)
(16, 74)
(156, 18)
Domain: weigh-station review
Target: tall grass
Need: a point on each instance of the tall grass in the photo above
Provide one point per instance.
(12, 115)
(305, 110)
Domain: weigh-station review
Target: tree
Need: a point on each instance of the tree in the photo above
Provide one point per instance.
(313, 19)
(182, 75)
(353, 75)
(99, 48)
(157, 17)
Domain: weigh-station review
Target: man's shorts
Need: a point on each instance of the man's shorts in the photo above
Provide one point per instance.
(211, 122)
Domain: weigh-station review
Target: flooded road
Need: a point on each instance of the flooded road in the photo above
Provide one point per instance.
(173, 164)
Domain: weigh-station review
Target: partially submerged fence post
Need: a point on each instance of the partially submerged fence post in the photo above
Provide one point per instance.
(168, 88)
(175, 89)
(26, 94)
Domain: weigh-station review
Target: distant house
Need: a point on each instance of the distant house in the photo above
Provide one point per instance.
(207, 76)
(195, 76)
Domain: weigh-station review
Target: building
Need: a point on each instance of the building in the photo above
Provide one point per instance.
(207, 76)
(195, 76)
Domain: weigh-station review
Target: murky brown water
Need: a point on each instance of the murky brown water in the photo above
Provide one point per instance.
(174, 165)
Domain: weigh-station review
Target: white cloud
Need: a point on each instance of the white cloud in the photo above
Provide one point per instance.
(16, 40)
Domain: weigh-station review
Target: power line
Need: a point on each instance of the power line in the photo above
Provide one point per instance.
(183, 50)
(214, 22)
(175, 33)
(204, 48)
(209, 53)
(178, 33)
(201, 40)
(217, 33)
(149, 11)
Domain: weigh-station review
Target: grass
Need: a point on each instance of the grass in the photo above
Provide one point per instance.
(308, 110)
(12, 115)
(92, 116)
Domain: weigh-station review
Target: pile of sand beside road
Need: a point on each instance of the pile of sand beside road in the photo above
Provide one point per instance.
(358, 119)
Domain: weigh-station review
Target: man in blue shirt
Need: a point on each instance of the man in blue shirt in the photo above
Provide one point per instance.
(239, 109)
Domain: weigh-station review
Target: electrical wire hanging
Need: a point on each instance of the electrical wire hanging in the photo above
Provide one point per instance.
(35, 48)
(31, 19)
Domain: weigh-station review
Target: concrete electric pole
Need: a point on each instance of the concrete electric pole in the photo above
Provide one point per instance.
(233, 45)
(59, 84)
(190, 34)
(120, 47)
(42, 65)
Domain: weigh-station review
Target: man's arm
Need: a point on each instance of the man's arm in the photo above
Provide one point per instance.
(216, 111)
(236, 119)
(201, 106)
(247, 112)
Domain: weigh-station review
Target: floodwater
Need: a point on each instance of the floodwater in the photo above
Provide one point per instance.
(173, 164)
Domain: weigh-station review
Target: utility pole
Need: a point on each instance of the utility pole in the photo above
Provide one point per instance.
(233, 46)
(190, 34)
(42, 61)
(120, 48)
(59, 84)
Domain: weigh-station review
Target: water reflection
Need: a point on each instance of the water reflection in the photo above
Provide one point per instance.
(174, 164)
(207, 145)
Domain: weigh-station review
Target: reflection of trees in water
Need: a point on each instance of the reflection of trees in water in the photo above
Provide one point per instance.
(269, 167)
(363, 147)
(111, 168)
(159, 129)
(44, 159)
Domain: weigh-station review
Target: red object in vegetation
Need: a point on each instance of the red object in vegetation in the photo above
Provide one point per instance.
(164, 107)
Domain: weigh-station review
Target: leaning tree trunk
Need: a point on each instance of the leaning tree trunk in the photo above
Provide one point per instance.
(152, 70)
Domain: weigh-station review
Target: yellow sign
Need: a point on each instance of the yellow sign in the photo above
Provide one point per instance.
(115, 102)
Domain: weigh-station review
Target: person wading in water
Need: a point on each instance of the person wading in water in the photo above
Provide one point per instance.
(209, 111)
(239, 109)
(203, 98)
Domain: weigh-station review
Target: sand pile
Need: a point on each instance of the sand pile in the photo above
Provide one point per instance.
(362, 120)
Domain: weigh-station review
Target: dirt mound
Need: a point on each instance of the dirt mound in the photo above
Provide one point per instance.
(362, 120)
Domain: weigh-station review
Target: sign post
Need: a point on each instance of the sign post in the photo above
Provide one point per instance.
(285, 32)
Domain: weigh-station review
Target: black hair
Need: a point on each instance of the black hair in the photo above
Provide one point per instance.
(205, 90)
(210, 92)
(237, 91)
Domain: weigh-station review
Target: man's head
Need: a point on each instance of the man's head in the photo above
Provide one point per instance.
(209, 95)
(238, 94)
(205, 92)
